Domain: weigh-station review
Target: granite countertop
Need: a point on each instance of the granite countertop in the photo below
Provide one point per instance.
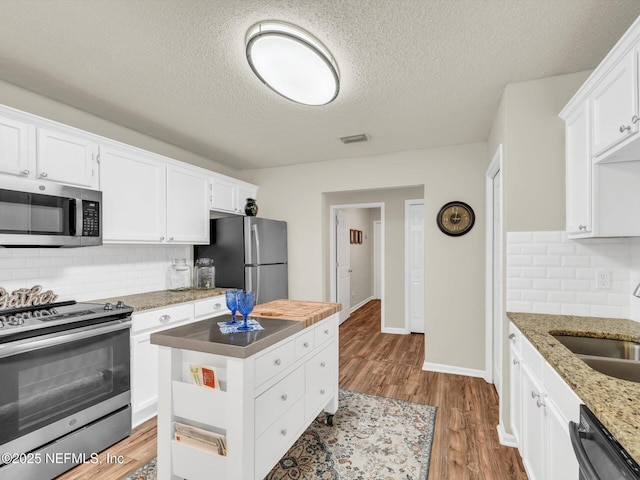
(162, 298)
(205, 336)
(614, 401)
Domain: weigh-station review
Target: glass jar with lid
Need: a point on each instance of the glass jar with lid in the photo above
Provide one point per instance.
(205, 273)
(180, 275)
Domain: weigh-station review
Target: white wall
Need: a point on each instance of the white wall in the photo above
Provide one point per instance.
(455, 321)
(547, 273)
(90, 273)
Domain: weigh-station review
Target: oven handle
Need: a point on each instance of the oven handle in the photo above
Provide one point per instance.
(584, 463)
(60, 338)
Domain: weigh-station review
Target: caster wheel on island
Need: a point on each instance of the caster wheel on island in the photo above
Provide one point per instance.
(329, 420)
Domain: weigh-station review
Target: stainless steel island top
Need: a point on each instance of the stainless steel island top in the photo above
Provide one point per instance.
(205, 336)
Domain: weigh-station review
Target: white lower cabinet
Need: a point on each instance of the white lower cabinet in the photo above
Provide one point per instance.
(144, 355)
(265, 403)
(542, 405)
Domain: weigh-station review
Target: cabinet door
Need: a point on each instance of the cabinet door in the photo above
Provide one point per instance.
(223, 195)
(578, 174)
(515, 396)
(560, 458)
(14, 147)
(66, 158)
(187, 206)
(533, 427)
(133, 197)
(144, 377)
(614, 104)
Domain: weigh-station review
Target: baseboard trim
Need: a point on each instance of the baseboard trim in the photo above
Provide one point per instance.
(396, 331)
(442, 368)
(353, 309)
(506, 439)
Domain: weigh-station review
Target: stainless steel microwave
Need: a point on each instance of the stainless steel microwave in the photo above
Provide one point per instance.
(37, 214)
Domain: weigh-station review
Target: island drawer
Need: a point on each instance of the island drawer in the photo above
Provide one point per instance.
(161, 318)
(304, 344)
(211, 307)
(200, 404)
(195, 464)
(324, 332)
(278, 399)
(319, 366)
(318, 396)
(273, 362)
(278, 438)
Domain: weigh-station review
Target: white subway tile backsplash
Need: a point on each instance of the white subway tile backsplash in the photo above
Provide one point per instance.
(91, 273)
(547, 273)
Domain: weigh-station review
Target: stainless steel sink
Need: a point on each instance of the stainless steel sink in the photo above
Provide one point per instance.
(601, 347)
(616, 358)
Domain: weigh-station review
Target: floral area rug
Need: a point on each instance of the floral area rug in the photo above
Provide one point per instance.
(372, 438)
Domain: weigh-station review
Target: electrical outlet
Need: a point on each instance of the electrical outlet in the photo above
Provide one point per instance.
(603, 279)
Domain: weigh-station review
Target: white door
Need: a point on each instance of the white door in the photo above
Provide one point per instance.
(187, 206)
(414, 228)
(497, 281)
(343, 272)
(66, 158)
(377, 259)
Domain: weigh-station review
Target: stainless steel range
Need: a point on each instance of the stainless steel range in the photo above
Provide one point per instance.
(64, 386)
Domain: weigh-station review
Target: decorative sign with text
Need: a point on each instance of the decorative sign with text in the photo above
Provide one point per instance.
(26, 297)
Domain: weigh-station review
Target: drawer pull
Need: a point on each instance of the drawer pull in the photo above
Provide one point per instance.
(217, 306)
(278, 361)
(284, 397)
(326, 331)
(322, 364)
(322, 392)
(283, 432)
(515, 362)
(305, 344)
(512, 336)
(164, 318)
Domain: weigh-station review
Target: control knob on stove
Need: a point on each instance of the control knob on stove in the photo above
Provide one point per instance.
(108, 306)
(120, 304)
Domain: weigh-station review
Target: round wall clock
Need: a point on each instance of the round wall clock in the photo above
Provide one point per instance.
(455, 218)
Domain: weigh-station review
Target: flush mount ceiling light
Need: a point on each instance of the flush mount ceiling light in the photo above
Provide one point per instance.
(292, 62)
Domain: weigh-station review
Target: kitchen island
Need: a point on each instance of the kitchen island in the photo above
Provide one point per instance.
(272, 384)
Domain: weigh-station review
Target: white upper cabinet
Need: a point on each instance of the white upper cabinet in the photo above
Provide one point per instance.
(578, 172)
(187, 205)
(133, 196)
(32, 148)
(65, 157)
(614, 105)
(15, 153)
(224, 194)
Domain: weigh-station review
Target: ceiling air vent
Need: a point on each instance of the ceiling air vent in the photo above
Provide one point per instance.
(362, 137)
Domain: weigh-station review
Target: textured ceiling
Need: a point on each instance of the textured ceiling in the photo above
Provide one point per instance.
(415, 73)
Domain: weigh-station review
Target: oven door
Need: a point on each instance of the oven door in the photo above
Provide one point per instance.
(54, 384)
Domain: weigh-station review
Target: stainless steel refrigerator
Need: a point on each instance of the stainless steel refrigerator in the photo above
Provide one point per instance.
(249, 253)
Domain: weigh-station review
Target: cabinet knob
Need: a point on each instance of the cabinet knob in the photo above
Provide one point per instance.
(305, 344)
(171, 239)
(582, 227)
(217, 306)
(635, 119)
(322, 392)
(515, 362)
(284, 397)
(326, 332)
(624, 128)
(164, 318)
(278, 361)
(283, 432)
(512, 336)
(43, 174)
(322, 364)
(25, 172)
(161, 238)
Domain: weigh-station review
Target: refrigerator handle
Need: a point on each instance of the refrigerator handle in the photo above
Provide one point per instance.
(254, 230)
(257, 301)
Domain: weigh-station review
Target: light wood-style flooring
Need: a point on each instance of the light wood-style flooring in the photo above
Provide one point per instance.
(465, 445)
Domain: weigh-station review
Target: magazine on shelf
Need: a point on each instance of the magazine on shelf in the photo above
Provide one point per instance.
(203, 376)
(199, 437)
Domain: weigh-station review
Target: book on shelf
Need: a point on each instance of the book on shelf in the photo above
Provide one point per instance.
(201, 438)
(203, 376)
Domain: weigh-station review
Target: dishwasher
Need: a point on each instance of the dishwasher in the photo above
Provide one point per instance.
(599, 454)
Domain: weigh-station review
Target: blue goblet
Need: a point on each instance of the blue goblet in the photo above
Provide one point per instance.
(232, 304)
(245, 306)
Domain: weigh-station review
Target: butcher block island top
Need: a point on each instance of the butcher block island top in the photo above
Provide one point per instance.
(280, 319)
(301, 311)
